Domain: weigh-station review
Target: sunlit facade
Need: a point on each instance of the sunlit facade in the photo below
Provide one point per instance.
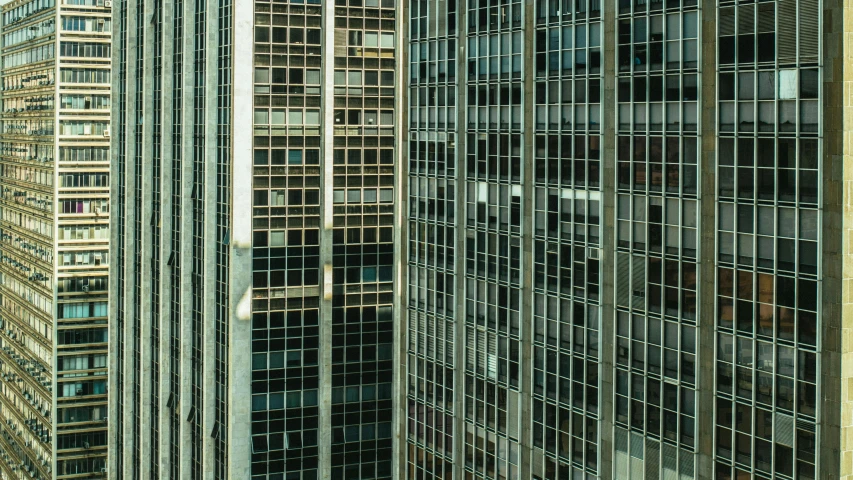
(54, 235)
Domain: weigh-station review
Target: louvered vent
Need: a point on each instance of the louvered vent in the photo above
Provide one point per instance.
(766, 18)
(421, 330)
(638, 274)
(440, 337)
(686, 465)
(787, 38)
(746, 19)
(413, 331)
(637, 446)
(652, 460)
(623, 276)
(809, 30)
(783, 429)
(341, 42)
(636, 453)
(806, 426)
(430, 337)
(670, 462)
(621, 456)
(470, 345)
(727, 21)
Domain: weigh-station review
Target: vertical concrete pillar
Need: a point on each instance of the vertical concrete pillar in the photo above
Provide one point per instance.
(460, 156)
(324, 432)
(835, 386)
(527, 178)
(706, 289)
(608, 241)
(240, 284)
(401, 236)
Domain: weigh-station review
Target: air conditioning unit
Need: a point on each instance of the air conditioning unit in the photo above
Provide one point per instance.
(108, 4)
(107, 131)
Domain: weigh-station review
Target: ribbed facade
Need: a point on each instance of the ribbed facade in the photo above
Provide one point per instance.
(54, 234)
(255, 159)
(480, 239)
(172, 151)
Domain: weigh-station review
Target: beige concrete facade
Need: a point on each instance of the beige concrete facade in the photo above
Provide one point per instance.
(54, 221)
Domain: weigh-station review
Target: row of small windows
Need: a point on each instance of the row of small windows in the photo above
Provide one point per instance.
(564, 10)
(83, 127)
(85, 232)
(23, 11)
(84, 75)
(84, 102)
(86, 24)
(83, 335)
(79, 258)
(30, 55)
(289, 116)
(368, 38)
(30, 33)
(287, 76)
(641, 6)
(82, 310)
(292, 35)
(84, 49)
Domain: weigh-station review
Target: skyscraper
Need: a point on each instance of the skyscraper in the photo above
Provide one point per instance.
(548, 240)
(628, 238)
(54, 233)
(505, 183)
(255, 158)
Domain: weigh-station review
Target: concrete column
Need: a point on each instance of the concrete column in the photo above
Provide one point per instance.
(127, 388)
(528, 106)
(606, 328)
(706, 285)
(146, 315)
(116, 339)
(184, 402)
(207, 417)
(461, 151)
(399, 386)
(166, 234)
(240, 282)
(835, 389)
(324, 433)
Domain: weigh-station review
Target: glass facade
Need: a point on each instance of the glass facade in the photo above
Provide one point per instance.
(320, 253)
(532, 175)
(287, 219)
(432, 412)
(566, 228)
(611, 215)
(768, 259)
(658, 73)
(54, 224)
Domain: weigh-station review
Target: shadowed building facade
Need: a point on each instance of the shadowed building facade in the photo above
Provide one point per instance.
(255, 158)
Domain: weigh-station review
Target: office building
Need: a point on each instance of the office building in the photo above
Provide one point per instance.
(54, 235)
(254, 160)
(617, 232)
(627, 233)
